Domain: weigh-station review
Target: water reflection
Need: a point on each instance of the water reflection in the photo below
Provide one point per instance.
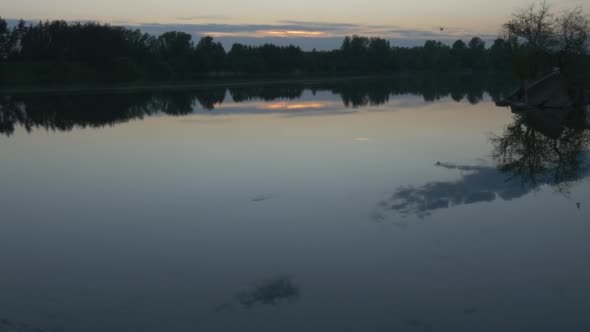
(266, 92)
(66, 112)
(286, 106)
(9, 326)
(541, 147)
(208, 98)
(538, 149)
(269, 292)
(477, 184)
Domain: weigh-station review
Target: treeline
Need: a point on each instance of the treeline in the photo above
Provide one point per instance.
(63, 112)
(59, 51)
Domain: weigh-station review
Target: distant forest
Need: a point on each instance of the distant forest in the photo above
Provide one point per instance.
(62, 52)
(59, 51)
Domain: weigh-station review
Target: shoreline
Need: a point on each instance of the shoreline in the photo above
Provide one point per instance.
(147, 86)
(174, 86)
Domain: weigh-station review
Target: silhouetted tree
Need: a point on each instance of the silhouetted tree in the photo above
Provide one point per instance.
(436, 55)
(62, 52)
(210, 55)
(176, 48)
(499, 55)
(476, 55)
(459, 53)
(540, 39)
(243, 59)
(4, 39)
(355, 53)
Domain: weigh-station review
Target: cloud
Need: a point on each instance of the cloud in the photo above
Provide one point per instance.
(309, 35)
(322, 25)
(291, 33)
(202, 17)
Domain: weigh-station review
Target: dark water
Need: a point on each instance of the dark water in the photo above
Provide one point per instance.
(359, 206)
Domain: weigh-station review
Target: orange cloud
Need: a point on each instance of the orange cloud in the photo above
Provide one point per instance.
(290, 33)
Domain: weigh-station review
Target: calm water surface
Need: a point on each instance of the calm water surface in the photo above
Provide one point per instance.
(366, 207)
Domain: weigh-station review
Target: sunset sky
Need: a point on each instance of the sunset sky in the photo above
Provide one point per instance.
(309, 23)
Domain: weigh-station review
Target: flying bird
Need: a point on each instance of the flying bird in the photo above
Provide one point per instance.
(441, 28)
(579, 205)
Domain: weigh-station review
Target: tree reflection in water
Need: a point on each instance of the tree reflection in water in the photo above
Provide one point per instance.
(538, 148)
(538, 154)
(9, 326)
(66, 112)
(269, 292)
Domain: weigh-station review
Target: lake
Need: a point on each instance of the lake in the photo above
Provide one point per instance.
(354, 205)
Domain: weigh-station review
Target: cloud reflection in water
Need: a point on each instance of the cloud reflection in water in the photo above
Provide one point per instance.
(478, 184)
(528, 156)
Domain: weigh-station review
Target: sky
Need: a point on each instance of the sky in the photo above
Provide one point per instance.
(308, 23)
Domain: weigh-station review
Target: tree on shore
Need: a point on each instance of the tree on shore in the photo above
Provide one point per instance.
(534, 40)
(540, 39)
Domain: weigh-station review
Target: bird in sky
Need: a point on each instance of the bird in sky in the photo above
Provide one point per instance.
(441, 28)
